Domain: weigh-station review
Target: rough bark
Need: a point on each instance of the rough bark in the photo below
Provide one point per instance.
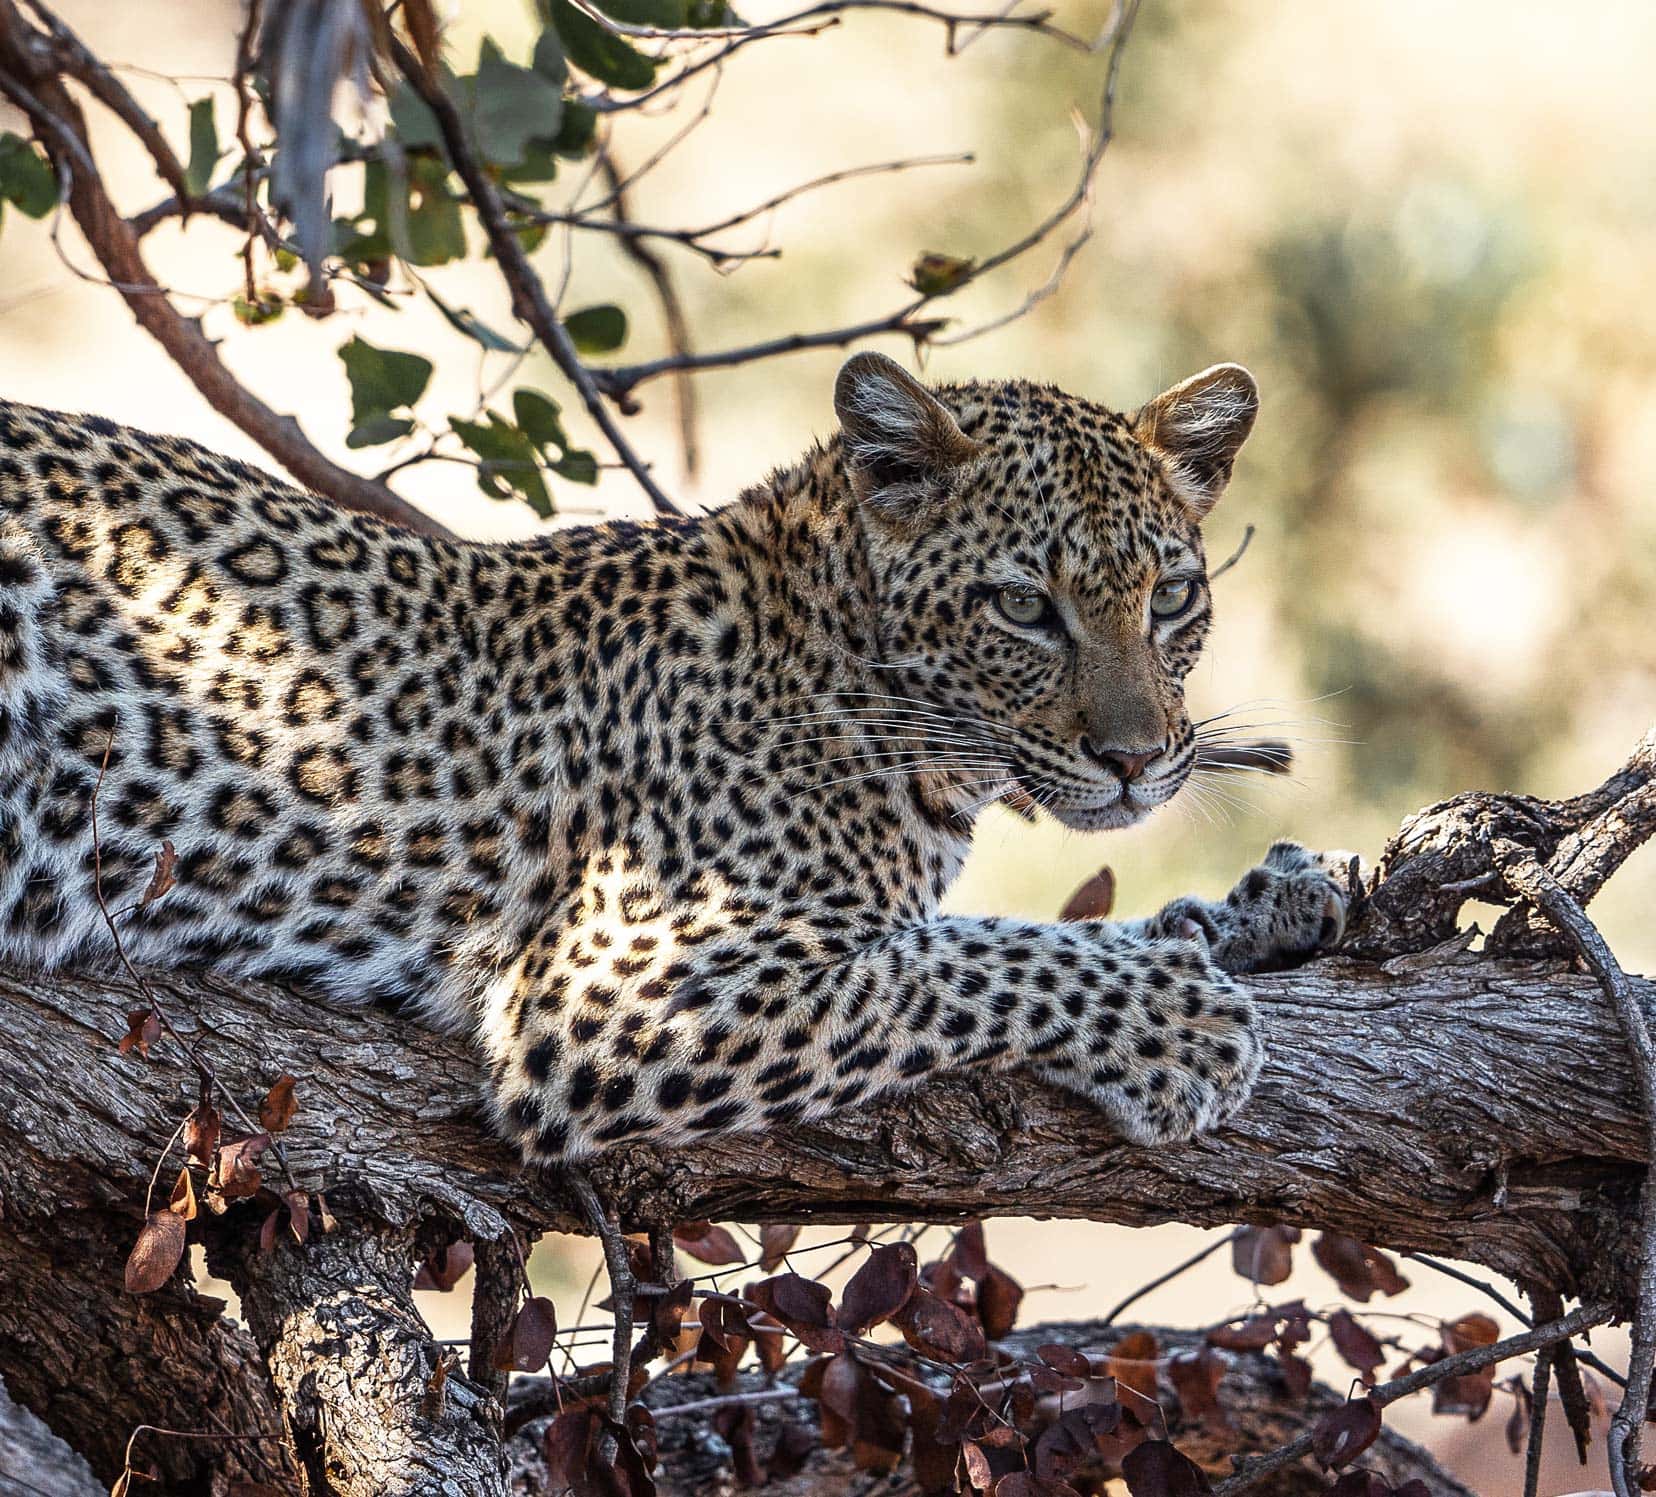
(372, 1405)
(1396, 1101)
(1415, 1104)
(94, 1362)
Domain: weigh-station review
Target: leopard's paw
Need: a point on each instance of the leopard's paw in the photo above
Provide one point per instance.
(1287, 909)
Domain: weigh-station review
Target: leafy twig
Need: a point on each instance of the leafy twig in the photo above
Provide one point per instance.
(529, 300)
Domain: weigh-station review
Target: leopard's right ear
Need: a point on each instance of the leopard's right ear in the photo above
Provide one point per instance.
(903, 448)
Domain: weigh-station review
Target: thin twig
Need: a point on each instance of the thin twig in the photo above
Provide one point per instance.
(672, 314)
(244, 135)
(1168, 1277)
(1251, 1469)
(1235, 556)
(622, 1288)
(1539, 1393)
(1525, 876)
(1038, 21)
(619, 382)
(1483, 1286)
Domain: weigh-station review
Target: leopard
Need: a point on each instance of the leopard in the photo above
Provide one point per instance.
(660, 813)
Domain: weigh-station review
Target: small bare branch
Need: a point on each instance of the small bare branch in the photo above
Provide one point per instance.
(619, 383)
(1251, 1471)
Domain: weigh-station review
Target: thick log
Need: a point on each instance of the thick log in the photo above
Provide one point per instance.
(1441, 1102)
(372, 1405)
(95, 1363)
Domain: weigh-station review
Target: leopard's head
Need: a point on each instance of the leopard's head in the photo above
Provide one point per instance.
(1041, 584)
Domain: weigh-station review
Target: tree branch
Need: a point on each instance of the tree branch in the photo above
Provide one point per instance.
(1411, 1101)
(371, 1403)
(529, 299)
(31, 76)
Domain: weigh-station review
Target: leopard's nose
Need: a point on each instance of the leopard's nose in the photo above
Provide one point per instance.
(1126, 764)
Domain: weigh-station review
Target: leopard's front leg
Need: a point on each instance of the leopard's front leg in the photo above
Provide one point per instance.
(1143, 1019)
(1147, 1028)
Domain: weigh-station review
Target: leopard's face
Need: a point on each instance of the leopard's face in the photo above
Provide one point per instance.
(1043, 593)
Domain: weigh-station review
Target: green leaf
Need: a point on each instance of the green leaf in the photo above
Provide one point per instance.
(578, 466)
(204, 147)
(668, 14)
(937, 275)
(538, 165)
(548, 59)
(467, 322)
(608, 58)
(378, 430)
(709, 13)
(382, 380)
(541, 422)
(430, 230)
(416, 125)
(539, 417)
(256, 313)
(26, 178)
(600, 329)
(510, 467)
(580, 124)
(514, 107)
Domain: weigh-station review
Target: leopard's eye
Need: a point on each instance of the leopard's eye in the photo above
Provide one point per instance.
(1171, 599)
(1023, 604)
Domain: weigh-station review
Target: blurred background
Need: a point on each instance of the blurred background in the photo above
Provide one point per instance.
(1430, 232)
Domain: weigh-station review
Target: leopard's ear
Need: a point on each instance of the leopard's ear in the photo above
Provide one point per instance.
(903, 448)
(1197, 428)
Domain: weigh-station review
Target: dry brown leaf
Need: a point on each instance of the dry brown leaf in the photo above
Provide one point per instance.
(1092, 900)
(156, 1253)
(163, 878)
(239, 1174)
(775, 1242)
(707, 1243)
(143, 1030)
(201, 1134)
(279, 1105)
(528, 1346)
(183, 1202)
(1132, 1363)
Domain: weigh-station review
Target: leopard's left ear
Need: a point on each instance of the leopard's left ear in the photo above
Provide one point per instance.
(1197, 428)
(903, 446)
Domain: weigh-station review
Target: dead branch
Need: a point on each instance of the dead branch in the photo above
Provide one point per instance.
(619, 382)
(1527, 877)
(1251, 1471)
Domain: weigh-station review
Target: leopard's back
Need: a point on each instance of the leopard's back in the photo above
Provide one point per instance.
(289, 695)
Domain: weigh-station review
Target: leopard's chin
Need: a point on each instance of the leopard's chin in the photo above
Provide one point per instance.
(1127, 807)
(1101, 818)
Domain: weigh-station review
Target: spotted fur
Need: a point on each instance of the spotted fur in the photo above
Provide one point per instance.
(662, 814)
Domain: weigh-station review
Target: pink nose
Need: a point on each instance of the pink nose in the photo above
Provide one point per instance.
(1126, 764)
